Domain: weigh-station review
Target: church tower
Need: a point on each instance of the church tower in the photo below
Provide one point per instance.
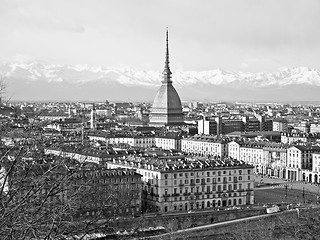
(93, 120)
(166, 108)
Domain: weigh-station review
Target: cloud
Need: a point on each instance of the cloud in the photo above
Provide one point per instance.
(18, 58)
(244, 65)
(203, 35)
(68, 27)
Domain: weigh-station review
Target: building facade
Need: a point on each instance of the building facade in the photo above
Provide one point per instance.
(181, 185)
(299, 161)
(132, 140)
(168, 142)
(204, 145)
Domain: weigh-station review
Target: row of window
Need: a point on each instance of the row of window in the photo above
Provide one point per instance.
(219, 173)
(207, 189)
(114, 180)
(206, 180)
(204, 204)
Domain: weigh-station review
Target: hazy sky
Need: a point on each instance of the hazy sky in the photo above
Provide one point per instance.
(237, 35)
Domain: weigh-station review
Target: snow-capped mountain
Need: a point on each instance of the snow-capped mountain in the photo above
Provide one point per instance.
(38, 81)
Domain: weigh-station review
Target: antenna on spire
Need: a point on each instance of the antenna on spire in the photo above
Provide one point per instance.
(166, 72)
(167, 48)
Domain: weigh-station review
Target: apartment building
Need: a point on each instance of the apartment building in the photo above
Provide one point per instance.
(290, 138)
(205, 145)
(267, 157)
(280, 125)
(314, 176)
(84, 190)
(130, 139)
(168, 142)
(299, 161)
(192, 183)
(234, 149)
(314, 128)
(252, 153)
(115, 192)
(275, 159)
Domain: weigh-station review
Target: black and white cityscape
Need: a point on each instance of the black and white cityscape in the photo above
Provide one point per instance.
(159, 119)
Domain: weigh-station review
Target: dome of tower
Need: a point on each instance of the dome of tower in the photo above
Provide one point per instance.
(167, 97)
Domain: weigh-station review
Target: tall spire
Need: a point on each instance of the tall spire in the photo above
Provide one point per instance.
(166, 72)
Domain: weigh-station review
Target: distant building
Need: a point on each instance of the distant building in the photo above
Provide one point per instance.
(220, 125)
(205, 145)
(166, 108)
(280, 125)
(208, 127)
(314, 127)
(131, 139)
(290, 138)
(270, 135)
(93, 120)
(231, 125)
(251, 124)
(302, 127)
(168, 142)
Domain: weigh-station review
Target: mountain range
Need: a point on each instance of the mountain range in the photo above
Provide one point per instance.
(40, 81)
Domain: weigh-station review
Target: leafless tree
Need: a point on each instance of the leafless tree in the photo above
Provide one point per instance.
(46, 197)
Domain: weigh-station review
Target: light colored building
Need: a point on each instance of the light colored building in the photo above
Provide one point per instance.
(205, 145)
(314, 176)
(208, 127)
(132, 140)
(104, 112)
(267, 157)
(314, 128)
(168, 142)
(181, 185)
(252, 153)
(234, 149)
(275, 159)
(87, 154)
(299, 158)
(290, 138)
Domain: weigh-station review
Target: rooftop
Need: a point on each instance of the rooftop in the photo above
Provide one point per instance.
(190, 162)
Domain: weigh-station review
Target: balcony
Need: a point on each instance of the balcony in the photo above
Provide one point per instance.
(203, 183)
(181, 185)
(192, 184)
(166, 195)
(186, 194)
(175, 195)
(197, 193)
